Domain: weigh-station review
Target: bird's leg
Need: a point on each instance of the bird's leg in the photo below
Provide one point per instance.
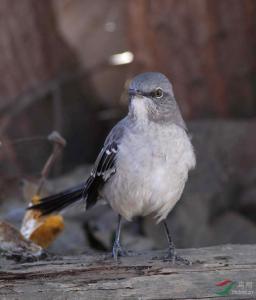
(117, 249)
(171, 246)
(172, 250)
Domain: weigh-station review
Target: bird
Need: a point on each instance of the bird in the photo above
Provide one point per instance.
(144, 163)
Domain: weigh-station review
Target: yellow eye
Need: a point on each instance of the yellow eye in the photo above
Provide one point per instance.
(159, 93)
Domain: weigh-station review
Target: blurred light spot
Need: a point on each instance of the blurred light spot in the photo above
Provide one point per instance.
(110, 26)
(121, 58)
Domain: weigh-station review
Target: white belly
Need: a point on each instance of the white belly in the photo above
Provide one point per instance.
(151, 172)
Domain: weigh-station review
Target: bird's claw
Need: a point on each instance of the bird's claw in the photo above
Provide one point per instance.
(174, 258)
(118, 251)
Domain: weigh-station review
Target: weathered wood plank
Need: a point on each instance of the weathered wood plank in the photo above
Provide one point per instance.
(139, 276)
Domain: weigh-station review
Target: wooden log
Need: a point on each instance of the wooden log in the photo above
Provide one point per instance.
(139, 276)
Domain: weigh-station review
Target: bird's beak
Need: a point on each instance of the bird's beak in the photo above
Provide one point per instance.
(133, 92)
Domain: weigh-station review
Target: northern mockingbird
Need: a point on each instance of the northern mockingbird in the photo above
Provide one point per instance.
(144, 163)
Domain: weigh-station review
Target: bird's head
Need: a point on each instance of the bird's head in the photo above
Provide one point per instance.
(152, 99)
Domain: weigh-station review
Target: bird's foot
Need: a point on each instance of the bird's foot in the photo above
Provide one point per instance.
(118, 251)
(174, 258)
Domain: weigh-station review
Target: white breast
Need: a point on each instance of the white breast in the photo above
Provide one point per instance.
(152, 168)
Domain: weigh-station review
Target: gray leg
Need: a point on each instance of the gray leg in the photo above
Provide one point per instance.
(171, 248)
(117, 249)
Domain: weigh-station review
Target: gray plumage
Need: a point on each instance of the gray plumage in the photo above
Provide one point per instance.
(154, 152)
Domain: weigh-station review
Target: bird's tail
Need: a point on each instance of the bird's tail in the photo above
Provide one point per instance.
(59, 201)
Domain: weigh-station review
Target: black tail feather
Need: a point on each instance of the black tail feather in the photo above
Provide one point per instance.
(59, 201)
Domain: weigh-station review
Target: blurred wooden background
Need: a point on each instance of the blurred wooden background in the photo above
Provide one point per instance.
(206, 47)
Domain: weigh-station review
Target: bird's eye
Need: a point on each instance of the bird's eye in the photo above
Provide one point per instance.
(158, 93)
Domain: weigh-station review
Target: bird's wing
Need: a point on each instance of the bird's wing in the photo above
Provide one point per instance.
(104, 166)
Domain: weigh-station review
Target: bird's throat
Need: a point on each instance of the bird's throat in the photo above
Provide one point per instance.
(139, 110)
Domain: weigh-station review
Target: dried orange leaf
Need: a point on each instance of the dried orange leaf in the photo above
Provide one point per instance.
(47, 232)
(42, 230)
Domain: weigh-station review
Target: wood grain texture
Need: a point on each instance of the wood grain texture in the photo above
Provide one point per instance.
(32, 50)
(139, 276)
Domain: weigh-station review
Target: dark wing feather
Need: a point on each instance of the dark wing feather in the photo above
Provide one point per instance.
(103, 169)
(104, 166)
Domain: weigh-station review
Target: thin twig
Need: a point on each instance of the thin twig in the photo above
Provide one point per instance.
(58, 144)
